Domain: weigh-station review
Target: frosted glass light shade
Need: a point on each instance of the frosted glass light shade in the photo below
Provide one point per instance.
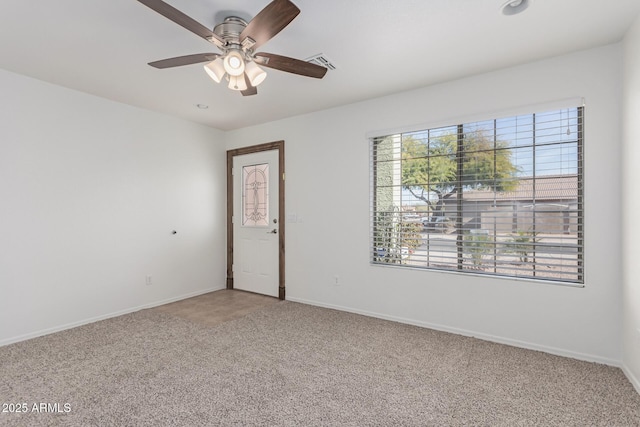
(215, 70)
(256, 74)
(234, 63)
(237, 83)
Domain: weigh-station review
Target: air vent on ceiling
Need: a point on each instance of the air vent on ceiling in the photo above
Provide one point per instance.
(321, 60)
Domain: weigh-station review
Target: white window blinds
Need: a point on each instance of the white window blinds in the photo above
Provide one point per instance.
(500, 197)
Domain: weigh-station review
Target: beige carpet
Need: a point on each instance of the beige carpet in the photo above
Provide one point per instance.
(289, 364)
(217, 307)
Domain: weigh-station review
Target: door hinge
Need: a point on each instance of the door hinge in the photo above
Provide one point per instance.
(283, 176)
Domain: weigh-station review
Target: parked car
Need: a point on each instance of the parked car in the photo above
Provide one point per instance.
(435, 223)
(411, 218)
(404, 252)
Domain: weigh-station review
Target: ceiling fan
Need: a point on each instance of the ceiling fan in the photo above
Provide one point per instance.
(238, 41)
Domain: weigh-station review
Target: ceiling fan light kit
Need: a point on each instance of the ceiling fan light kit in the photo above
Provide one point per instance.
(233, 63)
(238, 41)
(237, 83)
(256, 74)
(215, 70)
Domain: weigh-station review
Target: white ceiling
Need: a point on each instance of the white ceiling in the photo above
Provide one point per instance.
(379, 46)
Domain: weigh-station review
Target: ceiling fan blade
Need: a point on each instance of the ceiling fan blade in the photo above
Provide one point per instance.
(250, 90)
(270, 21)
(184, 60)
(180, 18)
(290, 65)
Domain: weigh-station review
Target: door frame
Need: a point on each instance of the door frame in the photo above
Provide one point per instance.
(279, 146)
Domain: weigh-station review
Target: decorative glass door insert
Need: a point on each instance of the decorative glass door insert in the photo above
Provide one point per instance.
(255, 195)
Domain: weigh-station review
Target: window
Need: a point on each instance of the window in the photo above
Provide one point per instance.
(500, 197)
(255, 197)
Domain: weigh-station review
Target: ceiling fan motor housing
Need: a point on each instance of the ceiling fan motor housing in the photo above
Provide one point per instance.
(230, 29)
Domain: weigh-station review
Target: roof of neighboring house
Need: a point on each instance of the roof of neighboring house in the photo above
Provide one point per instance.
(544, 188)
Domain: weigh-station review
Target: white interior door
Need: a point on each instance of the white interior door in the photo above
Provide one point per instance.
(255, 222)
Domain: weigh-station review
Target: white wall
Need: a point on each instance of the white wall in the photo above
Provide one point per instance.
(90, 191)
(631, 205)
(327, 170)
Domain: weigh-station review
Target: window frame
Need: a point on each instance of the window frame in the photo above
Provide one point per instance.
(374, 234)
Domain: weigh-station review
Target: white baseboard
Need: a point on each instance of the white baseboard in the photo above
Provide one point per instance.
(468, 333)
(103, 317)
(635, 381)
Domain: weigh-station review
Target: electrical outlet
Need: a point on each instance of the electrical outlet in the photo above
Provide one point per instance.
(148, 281)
